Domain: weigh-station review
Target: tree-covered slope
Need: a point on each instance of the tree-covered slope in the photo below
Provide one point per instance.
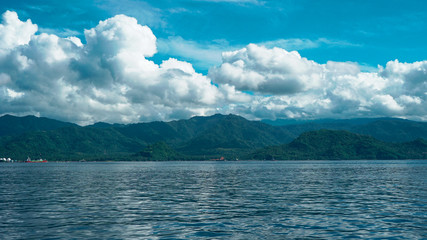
(333, 144)
(393, 130)
(159, 151)
(209, 137)
(11, 125)
(233, 135)
(174, 133)
(70, 143)
(385, 129)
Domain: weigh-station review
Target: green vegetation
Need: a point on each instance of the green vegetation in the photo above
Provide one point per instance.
(335, 145)
(204, 138)
(385, 129)
(159, 152)
(71, 143)
(11, 125)
(233, 136)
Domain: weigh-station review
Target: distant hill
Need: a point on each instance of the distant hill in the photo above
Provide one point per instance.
(104, 125)
(393, 130)
(215, 136)
(385, 129)
(71, 143)
(328, 121)
(159, 152)
(206, 136)
(211, 136)
(337, 144)
(11, 125)
(233, 135)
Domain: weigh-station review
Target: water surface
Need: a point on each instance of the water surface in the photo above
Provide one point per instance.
(220, 200)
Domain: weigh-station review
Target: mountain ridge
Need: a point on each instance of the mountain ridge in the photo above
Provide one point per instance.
(13, 125)
(339, 144)
(230, 136)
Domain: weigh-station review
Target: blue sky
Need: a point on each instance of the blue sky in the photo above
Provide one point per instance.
(365, 34)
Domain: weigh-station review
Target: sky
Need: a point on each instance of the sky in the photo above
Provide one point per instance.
(132, 61)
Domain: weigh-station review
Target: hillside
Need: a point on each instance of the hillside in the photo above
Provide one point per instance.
(334, 145)
(72, 143)
(209, 137)
(159, 152)
(234, 135)
(385, 129)
(12, 126)
(201, 138)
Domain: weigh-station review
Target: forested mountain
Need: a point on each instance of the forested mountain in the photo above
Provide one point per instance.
(338, 144)
(233, 135)
(71, 143)
(11, 125)
(201, 138)
(385, 129)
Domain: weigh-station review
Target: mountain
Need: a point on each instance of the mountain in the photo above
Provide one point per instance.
(211, 136)
(11, 125)
(70, 143)
(215, 136)
(385, 129)
(159, 152)
(354, 121)
(338, 144)
(104, 125)
(233, 135)
(174, 132)
(393, 130)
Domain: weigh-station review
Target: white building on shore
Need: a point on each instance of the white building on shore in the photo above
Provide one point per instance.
(6, 160)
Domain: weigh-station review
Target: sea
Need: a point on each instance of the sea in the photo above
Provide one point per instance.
(214, 200)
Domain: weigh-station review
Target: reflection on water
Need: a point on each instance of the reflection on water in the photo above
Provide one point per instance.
(237, 200)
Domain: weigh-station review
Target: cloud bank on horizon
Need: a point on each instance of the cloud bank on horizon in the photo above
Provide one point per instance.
(111, 78)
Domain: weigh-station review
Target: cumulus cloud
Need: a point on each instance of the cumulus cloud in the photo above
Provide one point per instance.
(14, 32)
(286, 85)
(108, 76)
(107, 79)
(274, 71)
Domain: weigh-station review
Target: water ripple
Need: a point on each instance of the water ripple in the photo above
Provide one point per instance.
(211, 200)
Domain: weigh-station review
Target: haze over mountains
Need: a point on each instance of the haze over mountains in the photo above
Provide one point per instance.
(200, 138)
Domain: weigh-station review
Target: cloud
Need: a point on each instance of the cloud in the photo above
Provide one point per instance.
(108, 76)
(208, 54)
(286, 85)
(270, 71)
(107, 79)
(303, 43)
(204, 56)
(121, 34)
(13, 32)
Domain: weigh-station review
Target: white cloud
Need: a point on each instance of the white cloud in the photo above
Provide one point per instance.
(270, 71)
(304, 43)
(288, 85)
(121, 34)
(107, 79)
(385, 103)
(14, 32)
(111, 78)
(12, 94)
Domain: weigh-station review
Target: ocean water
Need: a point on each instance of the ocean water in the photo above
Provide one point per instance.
(214, 200)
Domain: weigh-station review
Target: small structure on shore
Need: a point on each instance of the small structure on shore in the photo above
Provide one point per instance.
(6, 160)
